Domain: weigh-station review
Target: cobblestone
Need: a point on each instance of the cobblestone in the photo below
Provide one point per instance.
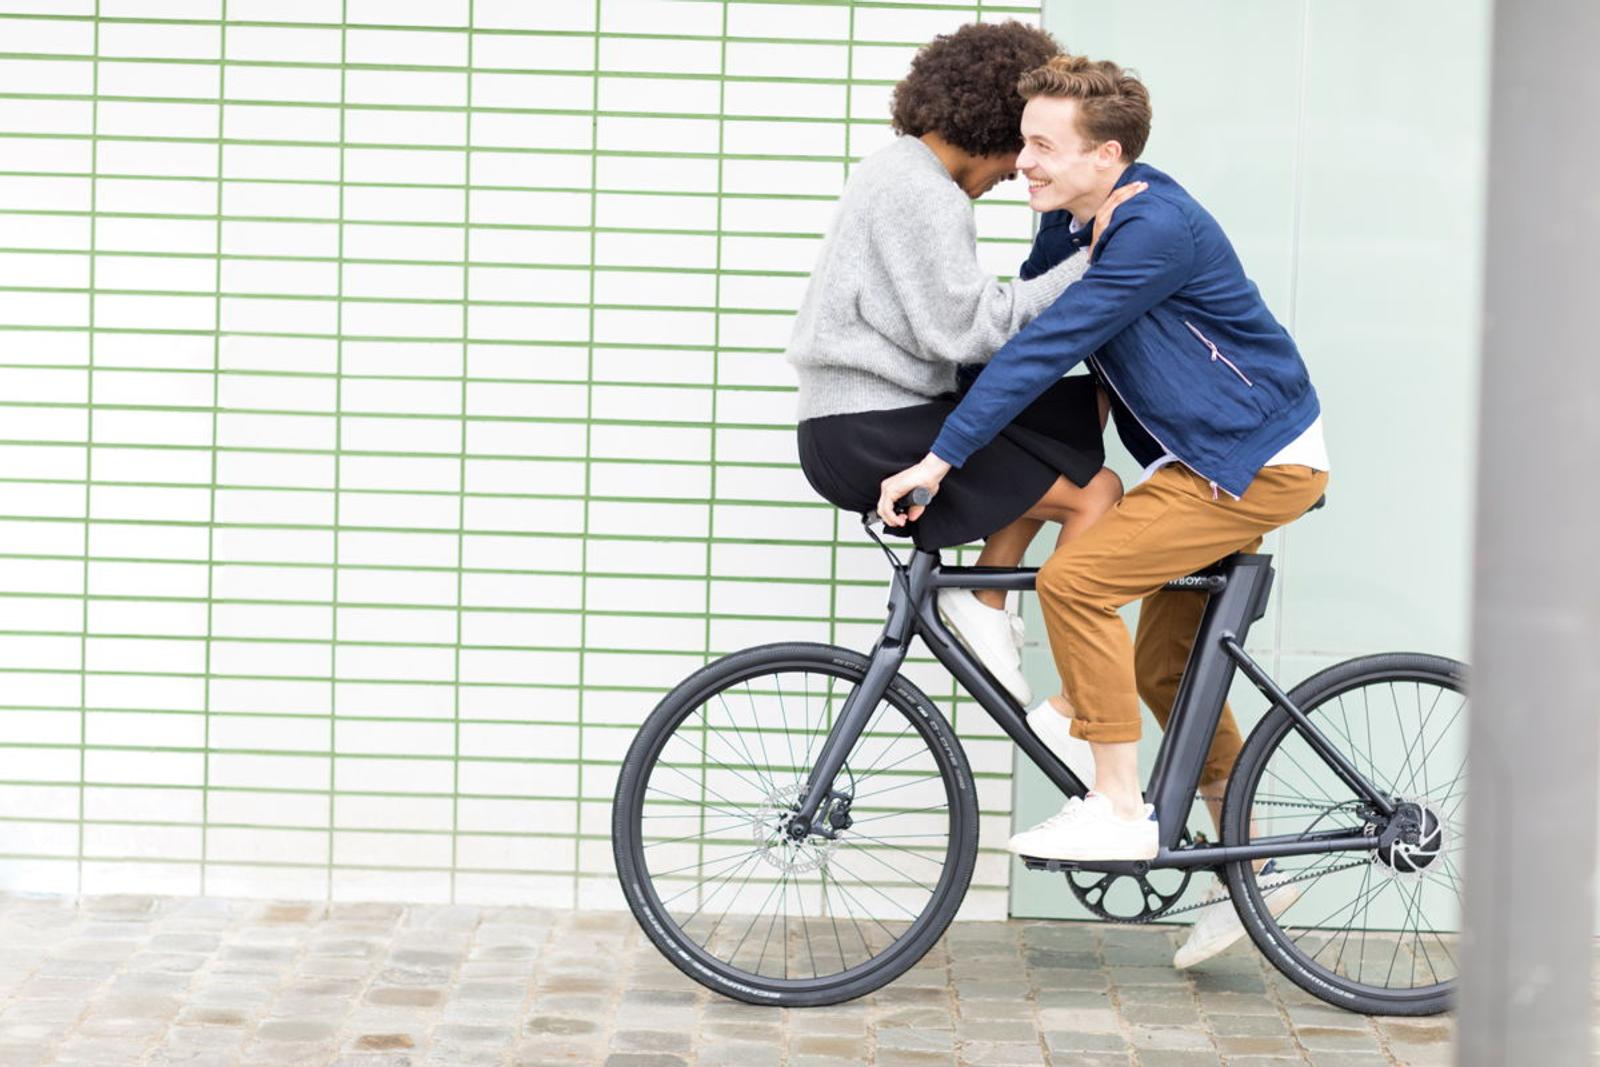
(163, 982)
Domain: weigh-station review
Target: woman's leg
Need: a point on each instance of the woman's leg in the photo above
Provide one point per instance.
(1075, 508)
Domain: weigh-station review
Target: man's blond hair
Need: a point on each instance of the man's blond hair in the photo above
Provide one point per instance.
(1113, 104)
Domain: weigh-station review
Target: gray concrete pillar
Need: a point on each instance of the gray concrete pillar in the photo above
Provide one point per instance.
(1535, 729)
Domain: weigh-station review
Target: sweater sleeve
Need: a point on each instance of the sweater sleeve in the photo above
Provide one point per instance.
(1144, 257)
(928, 293)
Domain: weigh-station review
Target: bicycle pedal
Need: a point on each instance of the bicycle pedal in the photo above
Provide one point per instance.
(1037, 863)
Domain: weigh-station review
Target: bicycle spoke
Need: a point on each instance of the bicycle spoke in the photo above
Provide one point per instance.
(766, 782)
(694, 803)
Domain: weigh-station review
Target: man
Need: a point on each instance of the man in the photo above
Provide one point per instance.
(1208, 391)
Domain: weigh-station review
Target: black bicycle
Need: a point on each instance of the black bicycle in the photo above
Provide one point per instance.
(796, 824)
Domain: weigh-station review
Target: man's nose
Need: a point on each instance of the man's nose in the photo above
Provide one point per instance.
(1025, 159)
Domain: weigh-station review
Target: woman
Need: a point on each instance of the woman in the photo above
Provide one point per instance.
(898, 303)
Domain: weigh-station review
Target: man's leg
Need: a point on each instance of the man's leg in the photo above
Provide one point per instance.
(1163, 529)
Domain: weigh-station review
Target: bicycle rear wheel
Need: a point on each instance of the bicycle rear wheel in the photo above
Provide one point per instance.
(719, 887)
(1374, 931)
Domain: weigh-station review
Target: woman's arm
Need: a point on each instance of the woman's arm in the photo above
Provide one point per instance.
(927, 292)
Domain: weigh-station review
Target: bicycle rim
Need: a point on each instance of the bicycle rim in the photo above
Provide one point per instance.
(751, 912)
(1370, 930)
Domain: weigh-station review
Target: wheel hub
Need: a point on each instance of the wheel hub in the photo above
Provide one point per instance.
(1422, 838)
(770, 830)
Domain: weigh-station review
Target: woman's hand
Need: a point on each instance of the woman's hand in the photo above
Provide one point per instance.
(1118, 197)
(926, 475)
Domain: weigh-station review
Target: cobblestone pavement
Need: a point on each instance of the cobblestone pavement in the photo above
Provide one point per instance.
(153, 981)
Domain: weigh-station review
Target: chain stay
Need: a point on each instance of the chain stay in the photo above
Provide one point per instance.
(1264, 889)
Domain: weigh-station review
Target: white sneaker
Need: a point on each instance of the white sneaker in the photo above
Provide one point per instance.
(1219, 925)
(989, 634)
(1088, 829)
(1055, 730)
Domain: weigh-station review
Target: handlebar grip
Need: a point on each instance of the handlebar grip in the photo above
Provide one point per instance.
(917, 498)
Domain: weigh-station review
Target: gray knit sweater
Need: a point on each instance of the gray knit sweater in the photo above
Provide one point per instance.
(897, 298)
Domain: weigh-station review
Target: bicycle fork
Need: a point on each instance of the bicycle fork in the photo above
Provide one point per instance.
(910, 582)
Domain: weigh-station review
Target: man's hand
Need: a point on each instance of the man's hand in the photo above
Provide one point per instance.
(1118, 197)
(926, 474)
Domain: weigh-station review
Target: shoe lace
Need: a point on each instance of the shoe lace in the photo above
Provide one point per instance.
(1069, 812)
(1018, 630)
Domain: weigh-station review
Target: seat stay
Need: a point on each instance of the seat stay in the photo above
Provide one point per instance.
(1325, 749)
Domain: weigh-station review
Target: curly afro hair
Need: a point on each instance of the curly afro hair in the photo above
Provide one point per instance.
(963, 86)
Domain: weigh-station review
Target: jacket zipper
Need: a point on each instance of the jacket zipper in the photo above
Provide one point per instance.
(1107, 379)
(1216, 354)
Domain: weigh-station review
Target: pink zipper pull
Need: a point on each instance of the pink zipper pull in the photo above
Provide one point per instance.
(1214, 491)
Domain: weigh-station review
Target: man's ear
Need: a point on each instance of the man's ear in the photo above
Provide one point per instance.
(1108, 154)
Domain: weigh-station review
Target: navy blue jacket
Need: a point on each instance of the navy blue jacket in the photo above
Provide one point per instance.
(1173, 327)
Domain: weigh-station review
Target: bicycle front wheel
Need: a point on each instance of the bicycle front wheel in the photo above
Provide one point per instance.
(1374, 931)
(698, 829)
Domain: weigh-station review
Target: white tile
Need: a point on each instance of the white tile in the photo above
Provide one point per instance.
(682, 96)
(280, 84)
(828, 21)
(409, 12)
(661, 57)
(620, 402)
(155, 805)
(169, 41)
(529, 52)
(519, 15)
(52, 727)
(164, 768)
(47, 76)
(273, 846)
(642, 211)
(517, 779)
(616, 133)
(783, 138)
(174, 80)
(36, 116)
(259, 122)
(300, 659)
(138, 729)
(382, 813)
(406, 48)
(661, 175)
(302, 733)
(790, 60)
(365, 774)
(397, 624)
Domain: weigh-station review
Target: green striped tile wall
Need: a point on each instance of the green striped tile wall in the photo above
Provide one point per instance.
(391, 408)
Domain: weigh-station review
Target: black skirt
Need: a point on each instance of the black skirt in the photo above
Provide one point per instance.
(846, 457)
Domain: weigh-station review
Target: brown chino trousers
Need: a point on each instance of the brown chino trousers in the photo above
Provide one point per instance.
(1165, 528)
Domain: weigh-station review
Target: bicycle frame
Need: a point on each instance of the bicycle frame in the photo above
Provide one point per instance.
(1237, 589)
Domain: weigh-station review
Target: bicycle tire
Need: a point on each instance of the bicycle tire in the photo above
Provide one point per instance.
(1321, 694)
(682, 949)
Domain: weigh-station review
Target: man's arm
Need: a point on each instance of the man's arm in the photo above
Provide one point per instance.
(1144, 257)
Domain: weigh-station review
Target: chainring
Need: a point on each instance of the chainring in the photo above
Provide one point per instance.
(1094, 888)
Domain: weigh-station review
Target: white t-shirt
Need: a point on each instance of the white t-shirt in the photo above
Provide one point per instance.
(1310, 449)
